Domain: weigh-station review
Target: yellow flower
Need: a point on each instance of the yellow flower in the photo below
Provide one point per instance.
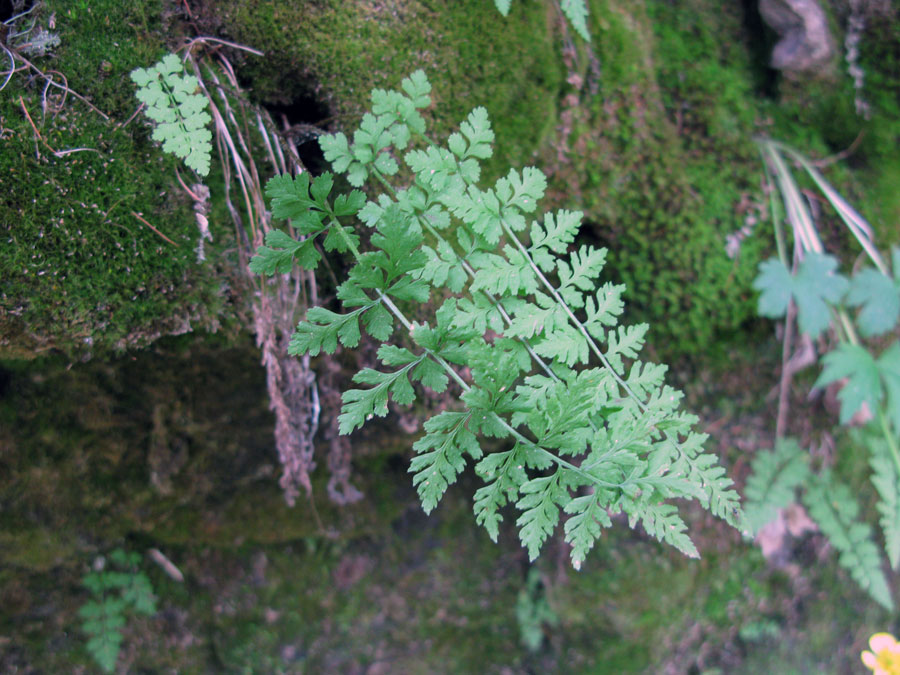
(884, 659)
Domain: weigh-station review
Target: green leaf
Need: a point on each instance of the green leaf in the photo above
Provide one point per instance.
(505, 474)
(564, 344)
(522, 192)
(879, 296)
(555, 235)
(813, 288)
(832, 506)
(540, 504)
(390, 355)
(441, 455)
(349, 204)
(580, 275)
(442, 267)
(583, 528)
(774, 477)
(321, 331)
(289, 196)
(863, 384)
(179, 112)
(360, 405)
(625, 342)
(662, 521)
(337, 151)
(418, 88)
(576, 12)
(889, 371)
(430, 374)
(477, 130)
(503, 6)
(270, 260)
(887, 484)
(320, 189)
(378, 322)
(506, 275)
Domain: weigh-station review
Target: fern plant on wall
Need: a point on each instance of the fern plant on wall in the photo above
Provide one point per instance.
(468, 291)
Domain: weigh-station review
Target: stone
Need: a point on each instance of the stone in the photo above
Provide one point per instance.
(806, 44)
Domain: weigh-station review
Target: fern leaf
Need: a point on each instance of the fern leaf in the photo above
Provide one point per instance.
(540, 511)
(626, 342)
(505, 473)
(579, 275)
(832, 506)
(505, 275)
(503, 6)
(576, 12)
(605, 310)
(775, 475)
(180, 113)
(361, 404)
(441, 455)
(887, 483)
(663, 522)
(587, 518)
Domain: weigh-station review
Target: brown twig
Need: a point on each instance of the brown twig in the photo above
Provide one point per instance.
(31, 122)
(65, 87)
(133, 115)
(153, 228)
(843, 154)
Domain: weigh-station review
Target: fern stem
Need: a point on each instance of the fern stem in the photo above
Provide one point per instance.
(556, 296)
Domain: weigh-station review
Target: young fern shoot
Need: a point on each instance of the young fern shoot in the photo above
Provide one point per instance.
(524, 331)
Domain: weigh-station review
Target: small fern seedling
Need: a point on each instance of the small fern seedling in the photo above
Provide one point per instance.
(524, 333)
(115, 594)
(178, 110)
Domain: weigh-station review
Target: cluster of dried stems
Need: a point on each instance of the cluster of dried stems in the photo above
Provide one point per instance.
(244, 131)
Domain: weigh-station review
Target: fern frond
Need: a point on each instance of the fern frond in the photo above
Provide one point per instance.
(178, 111)
(663, 522)
(774, 477)
(887, 484)
(509, 340)
(441, 455)
(832, 506)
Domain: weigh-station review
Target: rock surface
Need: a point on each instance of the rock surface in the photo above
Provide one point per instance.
(806, 43)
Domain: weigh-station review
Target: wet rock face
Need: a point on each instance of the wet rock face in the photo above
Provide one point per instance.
(805, 44)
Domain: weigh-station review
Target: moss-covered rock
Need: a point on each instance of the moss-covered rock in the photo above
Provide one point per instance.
(81, 272)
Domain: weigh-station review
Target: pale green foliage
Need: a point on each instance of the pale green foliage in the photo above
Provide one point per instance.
(775, 476)
(832, 506)
(178, 111)
(115, 592)
(813, 287)
(887, 484)
(589, 432)
(879, 296)
(576, 12)
(821, 296)
(870, 380)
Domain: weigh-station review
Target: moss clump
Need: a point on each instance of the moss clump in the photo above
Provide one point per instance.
(664, 157)
(80, 272)
(337, 52)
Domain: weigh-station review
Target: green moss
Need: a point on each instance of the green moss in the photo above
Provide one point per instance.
(667, 160)
(81, 272)
(337, 52)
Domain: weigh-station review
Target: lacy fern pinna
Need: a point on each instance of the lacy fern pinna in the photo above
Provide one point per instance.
(524, 332)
